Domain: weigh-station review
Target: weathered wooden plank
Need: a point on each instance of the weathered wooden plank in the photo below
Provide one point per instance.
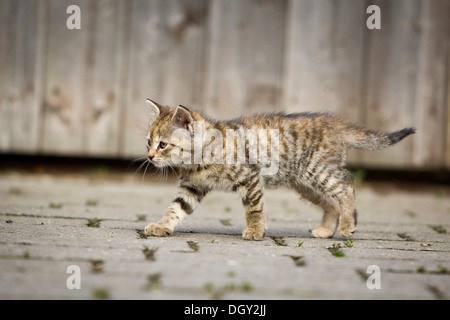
(324, 56)
(82, 92)
(21, 57)
(391, 78)
(106, 58)
(447, 152)
(431, 88)
(8, 25)
(245, 57)
(83, 88)
(447, 148)
(405, 63)
(166, 62)
(64, 108)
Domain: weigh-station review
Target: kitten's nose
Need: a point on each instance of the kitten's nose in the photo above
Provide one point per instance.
(151, 157)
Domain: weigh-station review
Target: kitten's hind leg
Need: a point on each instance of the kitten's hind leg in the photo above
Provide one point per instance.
(330, 209)
(348, 216)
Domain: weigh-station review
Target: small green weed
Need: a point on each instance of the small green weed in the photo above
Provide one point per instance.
(15, 191)
(439, 229)
(154, 281)
(225, 222)
(149, 253)
(279, 241)
(91, 202)
(101, 294)
(193, 245)
(141, 217)
(55, 205)
(336, 248)
(93, 223)
(218, 292)
(348, 243)
(97, 266)
(299, 261)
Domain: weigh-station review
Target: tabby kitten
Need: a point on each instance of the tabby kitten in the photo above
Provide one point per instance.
(309, 157)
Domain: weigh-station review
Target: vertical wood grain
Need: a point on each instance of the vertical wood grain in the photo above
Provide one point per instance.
(245, 57)
(104, 91)
(429, 146)
(166, 62)
(406, 82)
(22, 49)
(82, 92)
(324, 59)
(66, 67)
(324, 56)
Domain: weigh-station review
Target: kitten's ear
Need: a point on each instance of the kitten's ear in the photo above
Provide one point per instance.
(155, 108)
(183, 119)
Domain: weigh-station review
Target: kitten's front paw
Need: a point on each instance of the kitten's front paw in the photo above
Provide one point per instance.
(158, 230)
(253, 234)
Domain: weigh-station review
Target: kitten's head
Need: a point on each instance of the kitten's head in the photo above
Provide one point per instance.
(169, 133)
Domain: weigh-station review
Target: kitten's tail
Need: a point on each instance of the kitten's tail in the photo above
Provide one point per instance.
(365, 139)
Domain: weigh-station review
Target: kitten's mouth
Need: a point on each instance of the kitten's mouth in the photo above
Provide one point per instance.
(158, 163)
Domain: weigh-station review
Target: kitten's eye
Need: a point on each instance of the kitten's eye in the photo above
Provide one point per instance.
(162, 145)
(148, 143)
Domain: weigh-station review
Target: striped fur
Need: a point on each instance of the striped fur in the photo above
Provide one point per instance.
(312, 154)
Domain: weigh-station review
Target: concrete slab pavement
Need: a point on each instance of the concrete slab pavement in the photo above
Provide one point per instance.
(44, 230)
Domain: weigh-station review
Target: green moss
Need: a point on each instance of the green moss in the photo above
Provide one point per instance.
(55, 205)
(91, 202)
(439, 229)
(348, 243)
(98, 173)
(154, 281)
(299, 261)
(358, 176)
(246, 287)
(441, 269)
(225, 222)
(217, 293)
(193, 245)
(149, 253)
(97, 266)
(336, 250)
(93, 223)
(279, 241)
(338, 253)
(404, 236)
(15, 191)
(141, 217)
(101, 294)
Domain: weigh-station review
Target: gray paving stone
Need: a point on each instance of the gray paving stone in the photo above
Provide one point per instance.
(44, 230)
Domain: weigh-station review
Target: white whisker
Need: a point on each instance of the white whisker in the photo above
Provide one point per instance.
(140, 167)
(145, 171)
(173, 170)
(132, 162)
